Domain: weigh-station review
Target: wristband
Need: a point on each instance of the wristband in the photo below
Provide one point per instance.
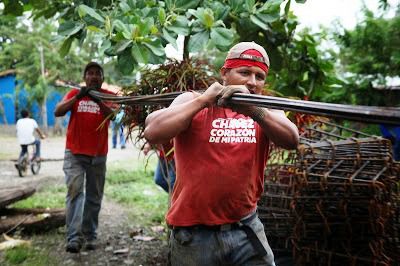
(258, 114)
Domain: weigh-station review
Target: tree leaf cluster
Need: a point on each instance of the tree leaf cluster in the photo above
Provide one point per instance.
(369, 55)
(137, 31)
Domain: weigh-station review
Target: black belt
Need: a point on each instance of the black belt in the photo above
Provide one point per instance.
(242, 224)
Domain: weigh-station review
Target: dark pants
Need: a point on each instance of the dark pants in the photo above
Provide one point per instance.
(24, 149)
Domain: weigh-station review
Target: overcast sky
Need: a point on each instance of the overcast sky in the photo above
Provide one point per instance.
(316, 12)
(321, 12)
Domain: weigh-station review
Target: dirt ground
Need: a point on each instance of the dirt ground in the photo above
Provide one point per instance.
(117, 244)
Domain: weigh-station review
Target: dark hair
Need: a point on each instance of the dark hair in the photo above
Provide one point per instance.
(93, 64)
(24, 113)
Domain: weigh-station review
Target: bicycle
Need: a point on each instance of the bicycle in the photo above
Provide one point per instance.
(25, 162)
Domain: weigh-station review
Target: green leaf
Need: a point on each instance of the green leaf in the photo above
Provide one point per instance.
(121, 46)
(181, 5)
(126, 63)
(66, 46)
(110, 51)
(69, 28)
(145, 26)
(258, 22)
(221, 36)
(155, 47)
(221, 11)
(249, 4)
(271, 7)
(305, 76)
(119, 25)
(93, 28)
(104, 46)
(204, 15)
(13, 7)
(268, 17)
(155, 59)
(236, 5)
(198, 41)
(122, 28)
(85, 10)
(301, 1)
(170, 37)
(208, 18)
(47, 13)
(161, 15)
(287, 7)
(140, 53)
(179, 26)
(125, 8)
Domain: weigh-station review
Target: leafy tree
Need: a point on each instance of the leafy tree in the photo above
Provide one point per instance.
(369, 54)
(22, 51)
(136, 32)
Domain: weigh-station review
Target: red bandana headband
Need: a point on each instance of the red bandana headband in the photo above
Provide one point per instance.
(252, 56)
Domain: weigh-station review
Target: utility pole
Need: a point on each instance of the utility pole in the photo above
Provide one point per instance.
(44, 106)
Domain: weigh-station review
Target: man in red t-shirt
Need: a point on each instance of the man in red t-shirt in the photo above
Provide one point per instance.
(221, 150)
(85, 158)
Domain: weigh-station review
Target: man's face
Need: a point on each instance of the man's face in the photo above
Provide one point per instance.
(94, 77)
(251, 76)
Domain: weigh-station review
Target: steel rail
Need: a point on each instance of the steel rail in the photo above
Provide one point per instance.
(366, 114)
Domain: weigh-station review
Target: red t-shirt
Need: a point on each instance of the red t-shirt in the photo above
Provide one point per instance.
(220, 161)
(86, 134)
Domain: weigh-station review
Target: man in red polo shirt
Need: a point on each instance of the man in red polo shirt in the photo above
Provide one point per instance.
(220, 154)
(85, 158)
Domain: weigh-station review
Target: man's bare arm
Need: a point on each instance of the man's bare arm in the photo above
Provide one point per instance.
(64, 106)
(278, 128)
(163, 125)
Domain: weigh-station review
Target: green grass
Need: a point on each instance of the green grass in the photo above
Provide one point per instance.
(132, 187)
(137, 191)
(26, 255)
(50, 197)
(128, 183)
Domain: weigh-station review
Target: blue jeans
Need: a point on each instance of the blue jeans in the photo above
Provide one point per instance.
(24, 148)
(203, 247)
(84, 177)
(165, 173)
(118, 131)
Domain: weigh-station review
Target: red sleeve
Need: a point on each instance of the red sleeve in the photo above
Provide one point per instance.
(70, 94)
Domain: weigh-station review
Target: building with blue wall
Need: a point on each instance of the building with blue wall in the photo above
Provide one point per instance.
(12, 104)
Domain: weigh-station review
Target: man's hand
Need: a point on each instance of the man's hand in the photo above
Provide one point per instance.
(82, 92)
(212, 94)
(227, 92)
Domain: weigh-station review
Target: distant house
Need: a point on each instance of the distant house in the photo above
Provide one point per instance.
(10, 105)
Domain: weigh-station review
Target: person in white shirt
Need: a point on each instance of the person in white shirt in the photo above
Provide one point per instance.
(26, 127)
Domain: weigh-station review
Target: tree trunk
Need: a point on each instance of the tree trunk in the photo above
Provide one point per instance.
(31, 220)
(58, 128)
(3, 112)
(44, 114)
(10, 195)
(186, 48)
